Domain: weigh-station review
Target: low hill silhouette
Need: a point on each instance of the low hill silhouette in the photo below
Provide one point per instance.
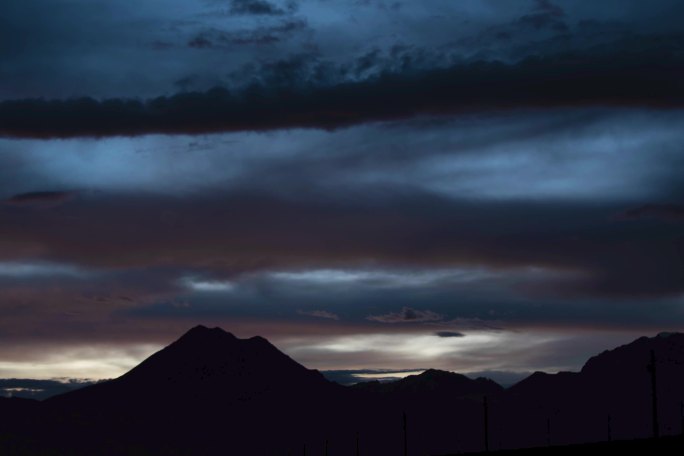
(210, 392)
(434, 382)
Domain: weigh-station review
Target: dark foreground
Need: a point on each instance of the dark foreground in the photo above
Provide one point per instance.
(211, 393)
(665, 445)
(662, 446)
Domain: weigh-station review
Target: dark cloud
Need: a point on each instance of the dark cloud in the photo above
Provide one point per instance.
(657, 211)
(251, 7)
(259, 7)
(200, 42)
(184, 83)
(601, 256)
(222, 39)
(478, 207)
(77, 49)
(319, 314)
(40, 198)
(643, 79)
(548, 7)
(449, 334)
(299, 72)
(490, 322)
(407, 315)
(545, 15)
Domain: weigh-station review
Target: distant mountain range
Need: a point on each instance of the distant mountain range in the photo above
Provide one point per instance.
(39, 389)
(212, 393)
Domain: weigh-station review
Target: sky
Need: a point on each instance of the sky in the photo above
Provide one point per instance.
(375, 186)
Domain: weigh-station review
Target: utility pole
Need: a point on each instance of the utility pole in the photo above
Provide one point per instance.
(358, 452)
(485, 405)
(548, 431)
(326, 448)
(405, 437)
(654, 395)
(610, 428)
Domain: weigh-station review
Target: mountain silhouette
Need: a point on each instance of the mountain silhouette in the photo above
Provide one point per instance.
(204, 385)
(615, 386)
(210, 392)
(205, 366)
(434, 382)
(217, 359)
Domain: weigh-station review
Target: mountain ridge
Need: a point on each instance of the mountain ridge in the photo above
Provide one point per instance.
(209, 392)
(206, 365)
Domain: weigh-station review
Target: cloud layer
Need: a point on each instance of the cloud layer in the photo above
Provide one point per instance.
(569, 80)
(476, 186)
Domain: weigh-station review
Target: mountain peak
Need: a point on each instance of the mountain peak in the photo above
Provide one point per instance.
(435, 381)
(203, 331)
(224, 364)
(202, 338)
(209, 364)
(666, 346)
(432, 373)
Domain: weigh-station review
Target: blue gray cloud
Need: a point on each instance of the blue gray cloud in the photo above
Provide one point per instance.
(510, 171)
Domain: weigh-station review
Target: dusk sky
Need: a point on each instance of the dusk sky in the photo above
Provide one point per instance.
(472, 185)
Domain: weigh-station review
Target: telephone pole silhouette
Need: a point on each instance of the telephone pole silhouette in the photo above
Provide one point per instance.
(405, 437)
(485, 406)
(654, 395)
(358, 452)
(610, 428)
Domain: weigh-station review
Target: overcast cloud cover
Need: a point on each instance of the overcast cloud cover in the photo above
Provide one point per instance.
(479, 186)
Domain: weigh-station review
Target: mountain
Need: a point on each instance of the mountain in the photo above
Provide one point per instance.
(610, 396)
(210, 392)
(434, 382)
(192, 393)
(544, 385)
(14, 407)
(205, 366)
(38, 389)
(631, 359)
